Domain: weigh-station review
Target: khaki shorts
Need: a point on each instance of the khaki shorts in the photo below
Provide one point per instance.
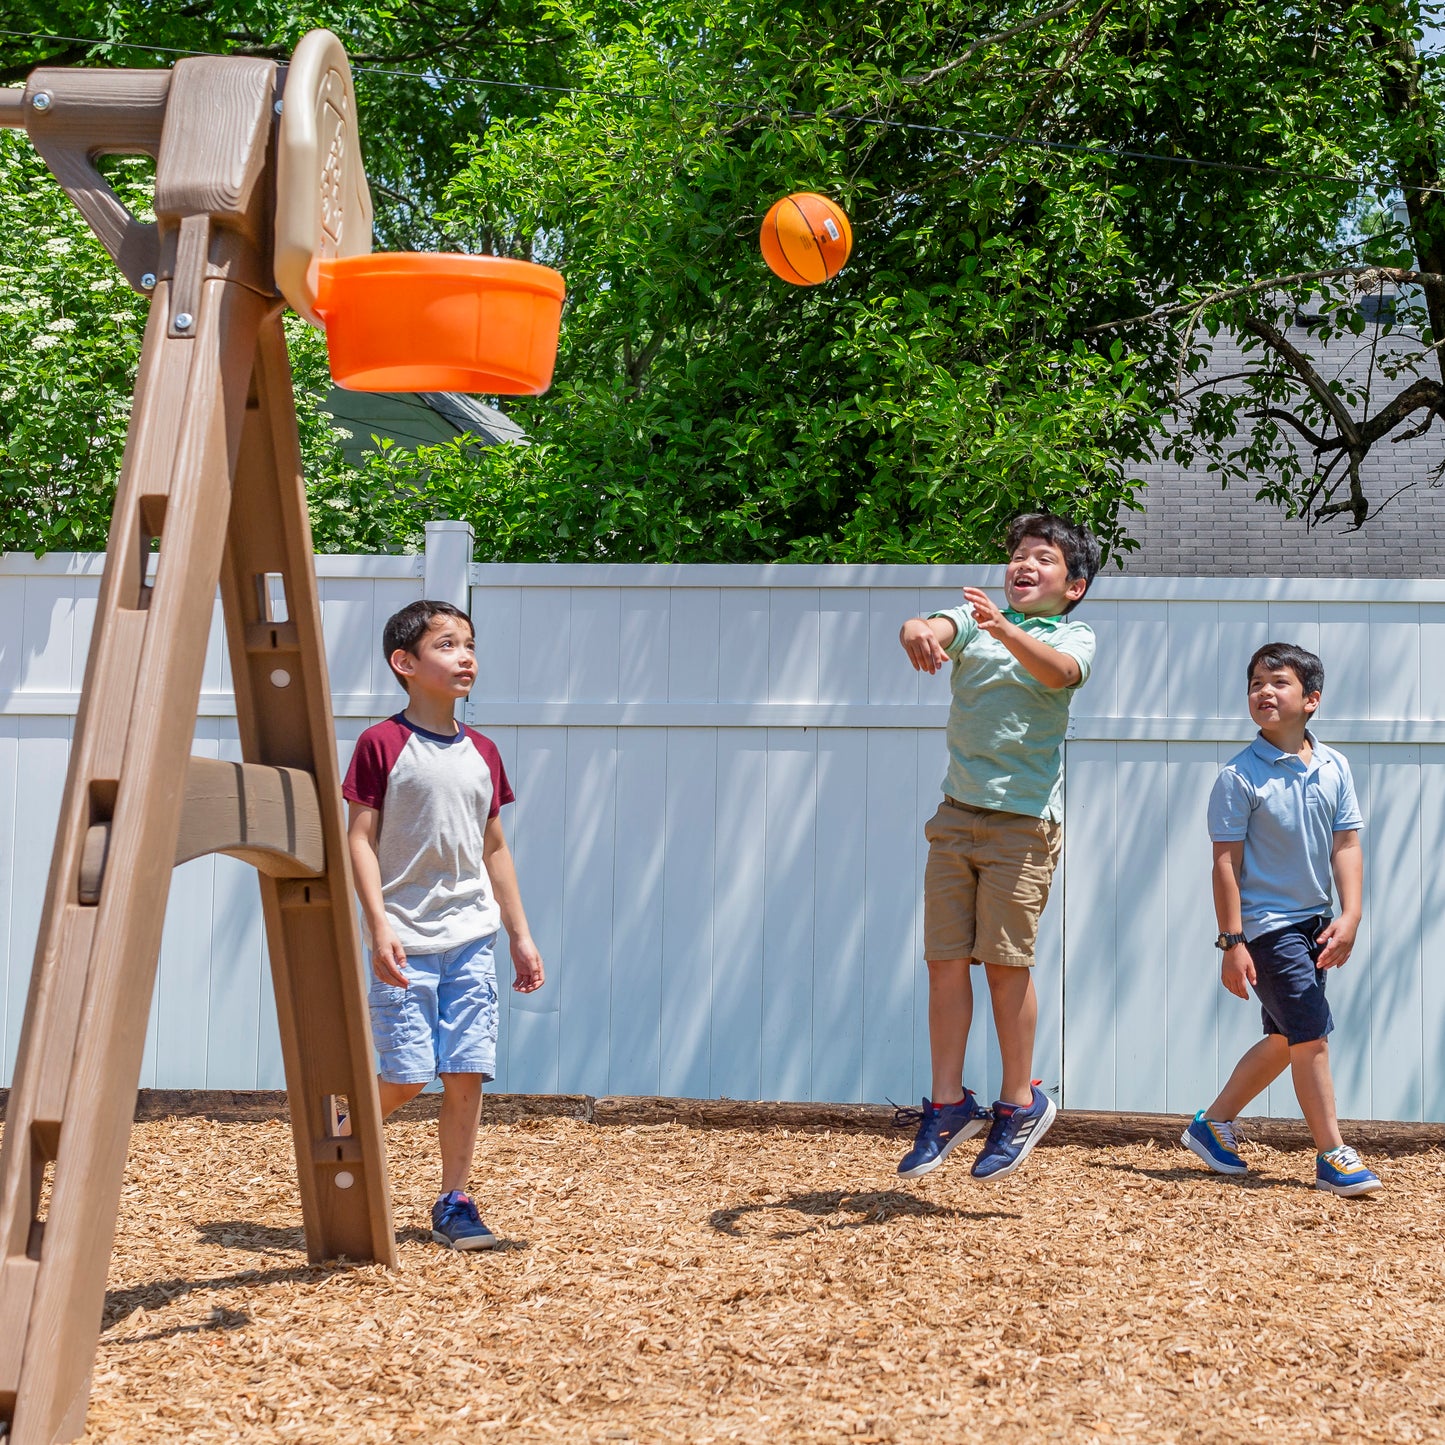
(986, 883)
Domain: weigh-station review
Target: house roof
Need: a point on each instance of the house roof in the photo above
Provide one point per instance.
(412, 419)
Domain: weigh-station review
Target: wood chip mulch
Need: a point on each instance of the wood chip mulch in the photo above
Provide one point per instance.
(668, 1282)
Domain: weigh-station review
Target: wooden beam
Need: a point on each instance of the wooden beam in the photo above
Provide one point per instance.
(265, 816)
(268, 817)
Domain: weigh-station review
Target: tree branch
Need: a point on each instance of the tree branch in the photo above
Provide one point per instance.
(1275, 413)
(1304, 369)
(1390, 273)
(1065, 67)
(1057, 13)
(1425, 391)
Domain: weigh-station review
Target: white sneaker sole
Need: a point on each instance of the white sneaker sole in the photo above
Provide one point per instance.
(1040, 1130)
(971, 1130)
(1195, 1147)
(1350, 1191)
(485, 1241)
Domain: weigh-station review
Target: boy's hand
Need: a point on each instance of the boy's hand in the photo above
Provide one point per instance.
(986, 611)
(1236, 973)
(388, 958)
(527, 964)
(921, 644)
(1339, 942)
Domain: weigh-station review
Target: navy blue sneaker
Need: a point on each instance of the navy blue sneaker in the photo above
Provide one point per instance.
(1341, 1172)
(1216, 1141)
(1016, 1129)
(456, 1223)
(940, 1127)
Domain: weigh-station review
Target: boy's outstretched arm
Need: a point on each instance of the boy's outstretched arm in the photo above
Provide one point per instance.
(926, 640)
(526, 961)
(1347, 862)
(1236, 972)
(388, 957)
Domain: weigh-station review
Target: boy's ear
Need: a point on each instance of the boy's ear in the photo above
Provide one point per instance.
(1076, 588)
(402, 661)
(1312, 701)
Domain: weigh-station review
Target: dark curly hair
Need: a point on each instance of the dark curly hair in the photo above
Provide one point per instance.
(1079, 547)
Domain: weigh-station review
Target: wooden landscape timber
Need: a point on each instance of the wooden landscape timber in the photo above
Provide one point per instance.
(210, 494)
(1085, 1128)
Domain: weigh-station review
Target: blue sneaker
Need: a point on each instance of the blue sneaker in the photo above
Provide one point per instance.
(456, 1223)
(1216, 1141)
(940, 1127)
(1016, 1129)
(1341, 1172)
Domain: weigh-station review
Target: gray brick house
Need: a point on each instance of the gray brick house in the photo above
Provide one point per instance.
(1192, 527)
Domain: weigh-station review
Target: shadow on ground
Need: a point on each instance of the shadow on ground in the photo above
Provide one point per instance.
(1187, 1175)
(121, 1303)
(825, 1205)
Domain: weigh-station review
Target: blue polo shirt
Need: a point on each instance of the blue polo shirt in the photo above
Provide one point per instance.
(1287, 812)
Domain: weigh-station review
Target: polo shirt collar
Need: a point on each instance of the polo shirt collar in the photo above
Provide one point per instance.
(1020, 618)
(1261, 747)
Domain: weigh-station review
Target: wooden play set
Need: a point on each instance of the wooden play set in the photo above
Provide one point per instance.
(260, 200)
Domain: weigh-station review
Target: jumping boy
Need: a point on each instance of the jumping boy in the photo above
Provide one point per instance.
(994, 841)
(1283, 817)
(435, 878)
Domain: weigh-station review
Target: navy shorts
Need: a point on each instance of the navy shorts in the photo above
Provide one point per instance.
(1290, 988)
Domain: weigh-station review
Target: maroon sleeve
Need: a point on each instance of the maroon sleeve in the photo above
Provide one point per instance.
(501, 788)
(377, 750)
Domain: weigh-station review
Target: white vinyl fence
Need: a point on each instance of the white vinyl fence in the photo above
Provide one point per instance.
(722, 776)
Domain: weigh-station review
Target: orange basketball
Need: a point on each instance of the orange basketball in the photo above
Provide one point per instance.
(806, 238)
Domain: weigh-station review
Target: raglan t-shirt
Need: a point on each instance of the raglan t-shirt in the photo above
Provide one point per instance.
(435, 795)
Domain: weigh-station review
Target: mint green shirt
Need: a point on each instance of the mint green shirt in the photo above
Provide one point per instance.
(1005, 728)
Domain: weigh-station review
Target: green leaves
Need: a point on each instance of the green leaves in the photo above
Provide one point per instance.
(1007, 203)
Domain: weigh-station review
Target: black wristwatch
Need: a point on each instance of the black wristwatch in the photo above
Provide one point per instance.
(1226, 941)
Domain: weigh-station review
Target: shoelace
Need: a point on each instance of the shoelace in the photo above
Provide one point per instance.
(1228, 1132)
(904, 1118)
(1343, 1158)
(460, 1204)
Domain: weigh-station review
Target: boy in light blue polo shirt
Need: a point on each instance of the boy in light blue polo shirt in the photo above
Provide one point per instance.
(1284, 819)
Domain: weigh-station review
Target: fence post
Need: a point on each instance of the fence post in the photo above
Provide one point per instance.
(448, 560)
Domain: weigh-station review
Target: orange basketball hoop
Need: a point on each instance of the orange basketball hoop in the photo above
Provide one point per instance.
(404, 321)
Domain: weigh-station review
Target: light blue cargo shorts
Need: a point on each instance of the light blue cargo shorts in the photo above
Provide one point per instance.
(444, 1021)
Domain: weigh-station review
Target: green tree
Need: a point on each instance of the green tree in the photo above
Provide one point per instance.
(1014, 196)
(70, 328)
(1034, 289)
(1333, 92)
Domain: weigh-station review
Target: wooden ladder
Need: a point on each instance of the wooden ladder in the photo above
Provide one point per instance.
(212, 474)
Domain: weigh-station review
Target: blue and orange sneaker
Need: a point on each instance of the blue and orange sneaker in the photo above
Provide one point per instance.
(1341, 1172)
(1216, 1141)
(456, 1223)
(940, 1127)
(1016, 1129)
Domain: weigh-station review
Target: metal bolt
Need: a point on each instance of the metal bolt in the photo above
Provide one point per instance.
(41, 100)
(184, 321)
(148, 281)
